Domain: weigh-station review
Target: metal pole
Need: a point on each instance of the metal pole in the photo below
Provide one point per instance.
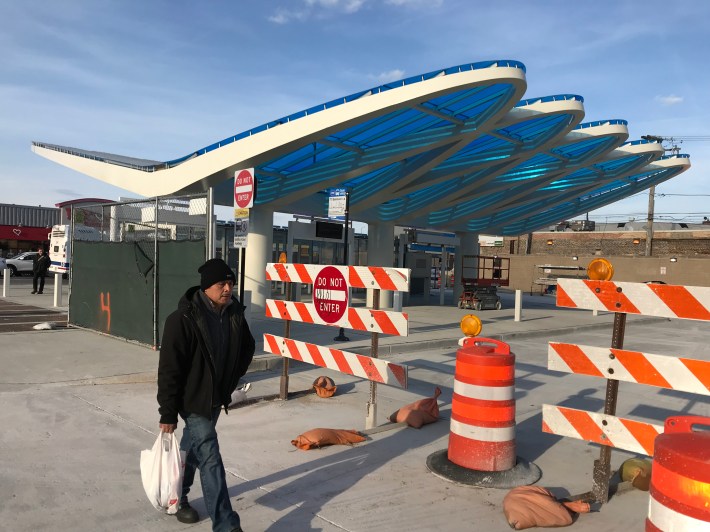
(371, 419)
(341, 334)
(442, 274)
(283, 391)
(602, 467)
(242, 267)
(70, 254)
(57, 289)
(155, 277)
(6, 283)
(210, 224)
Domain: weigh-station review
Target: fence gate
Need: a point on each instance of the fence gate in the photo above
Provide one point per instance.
(141, 258)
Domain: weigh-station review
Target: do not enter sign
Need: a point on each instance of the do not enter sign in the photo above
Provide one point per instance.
(330, 294)
(244, 189)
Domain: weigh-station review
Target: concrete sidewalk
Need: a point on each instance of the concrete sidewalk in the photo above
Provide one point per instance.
(78, 407)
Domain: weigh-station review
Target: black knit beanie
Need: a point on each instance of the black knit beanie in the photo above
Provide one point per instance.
(214, 271)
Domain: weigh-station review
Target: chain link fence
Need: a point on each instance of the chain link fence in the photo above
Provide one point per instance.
(131, 262)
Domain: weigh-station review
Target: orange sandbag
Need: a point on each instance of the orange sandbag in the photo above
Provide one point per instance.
(419, 412)
(315, 438)
(324, 386)
(529, 506)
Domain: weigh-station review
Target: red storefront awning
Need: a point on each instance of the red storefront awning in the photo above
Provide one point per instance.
(35, 234)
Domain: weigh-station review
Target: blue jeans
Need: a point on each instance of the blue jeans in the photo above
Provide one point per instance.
(199, 441)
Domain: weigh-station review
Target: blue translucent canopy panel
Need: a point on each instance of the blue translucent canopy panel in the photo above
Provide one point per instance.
(383, 140)
(542, 200)
(596, 198)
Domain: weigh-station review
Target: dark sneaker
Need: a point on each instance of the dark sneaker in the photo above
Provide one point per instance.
(187, 514)
(34, 291)
(40, 292)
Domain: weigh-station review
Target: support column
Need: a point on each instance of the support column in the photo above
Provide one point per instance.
(468, 246)
(114, 227)
(380, 252)
(258, 253)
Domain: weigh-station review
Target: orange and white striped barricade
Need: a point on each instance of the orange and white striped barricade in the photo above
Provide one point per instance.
(362, 366)
(330, 307)
(481, 449)
(482, 435)
(617, 364)
(680, 478)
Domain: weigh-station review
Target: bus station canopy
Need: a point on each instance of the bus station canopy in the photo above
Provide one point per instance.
(456, 149)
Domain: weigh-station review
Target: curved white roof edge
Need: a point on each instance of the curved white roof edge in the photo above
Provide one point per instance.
(215, 166)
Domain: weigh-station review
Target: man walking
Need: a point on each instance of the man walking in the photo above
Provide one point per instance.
(206, 348)
(39, 270)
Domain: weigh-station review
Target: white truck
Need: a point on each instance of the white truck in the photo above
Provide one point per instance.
(60, 244)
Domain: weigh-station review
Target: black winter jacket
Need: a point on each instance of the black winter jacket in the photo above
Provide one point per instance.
(186, 370)
(41, 264)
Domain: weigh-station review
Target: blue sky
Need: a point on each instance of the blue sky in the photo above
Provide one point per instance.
(159, 79)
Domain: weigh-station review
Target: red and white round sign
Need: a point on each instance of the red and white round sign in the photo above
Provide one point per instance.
(244, 188)
(330, 294)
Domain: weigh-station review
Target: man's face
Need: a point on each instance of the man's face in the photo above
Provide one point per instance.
(220, 293)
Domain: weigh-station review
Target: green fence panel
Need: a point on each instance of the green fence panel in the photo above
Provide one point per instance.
(177, 271)
(112, 288)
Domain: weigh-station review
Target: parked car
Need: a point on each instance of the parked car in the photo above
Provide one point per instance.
(21, 264)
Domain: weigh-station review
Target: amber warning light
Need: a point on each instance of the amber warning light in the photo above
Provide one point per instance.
(471, 325)
(600, 270)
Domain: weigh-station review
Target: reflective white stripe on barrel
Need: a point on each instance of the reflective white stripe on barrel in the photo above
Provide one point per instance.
(664, 518)
(486, 393)
(473, 432)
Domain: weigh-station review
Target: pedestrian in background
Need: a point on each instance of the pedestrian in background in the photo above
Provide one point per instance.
(206, 348)
(39, 270)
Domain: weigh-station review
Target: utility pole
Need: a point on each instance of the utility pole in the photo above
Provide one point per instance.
(651, 199)
(649, 222)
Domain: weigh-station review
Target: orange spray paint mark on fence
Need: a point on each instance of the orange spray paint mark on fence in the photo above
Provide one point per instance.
(106, 307)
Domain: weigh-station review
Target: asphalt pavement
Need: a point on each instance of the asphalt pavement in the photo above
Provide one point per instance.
(78, 407)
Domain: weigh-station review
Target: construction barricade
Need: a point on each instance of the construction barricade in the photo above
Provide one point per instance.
(482, 432)
(481, 449)
(330, 306)
(616, 364)
(680, 479)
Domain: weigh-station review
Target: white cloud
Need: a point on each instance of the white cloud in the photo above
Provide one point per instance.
(325, 8)
(284, 16)
(415, 3)
(316, 8)
(671, 99)
(391, 75)
(347, 6)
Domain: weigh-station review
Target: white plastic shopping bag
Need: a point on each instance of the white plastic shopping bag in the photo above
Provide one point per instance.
(240, 394)
(162, 469)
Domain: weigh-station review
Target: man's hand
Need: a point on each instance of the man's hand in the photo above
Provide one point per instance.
(167, 427)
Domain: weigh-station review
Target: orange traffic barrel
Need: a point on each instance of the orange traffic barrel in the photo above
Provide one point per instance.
(482, 433)
(680, 477)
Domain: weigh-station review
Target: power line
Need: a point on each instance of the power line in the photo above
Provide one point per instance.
(685, 195)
